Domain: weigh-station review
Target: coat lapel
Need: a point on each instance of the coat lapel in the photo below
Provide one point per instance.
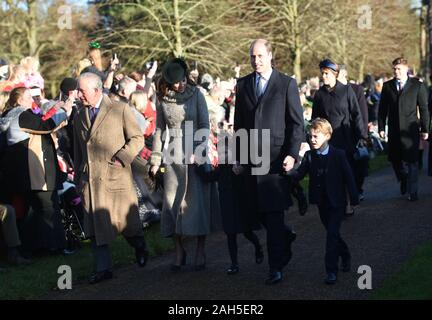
(271, 86)
(105, 108)
(406, 87)
(394, 87)
(250, 88)
(85, 118)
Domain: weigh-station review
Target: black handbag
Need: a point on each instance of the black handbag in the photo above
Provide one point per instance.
(361, 152)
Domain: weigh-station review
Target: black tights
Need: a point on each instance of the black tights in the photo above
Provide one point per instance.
(232, 244)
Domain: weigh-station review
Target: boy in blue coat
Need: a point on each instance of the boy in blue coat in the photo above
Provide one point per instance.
(330, 177)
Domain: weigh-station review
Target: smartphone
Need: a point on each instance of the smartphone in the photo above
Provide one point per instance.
(114, 57)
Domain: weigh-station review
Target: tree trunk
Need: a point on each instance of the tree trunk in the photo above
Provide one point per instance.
(178, 40)
(361, 69)
(32, 28)
(297, 64)
(297, 44)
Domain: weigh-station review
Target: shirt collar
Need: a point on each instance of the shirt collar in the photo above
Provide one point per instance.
(97, 106)
(402, 82)
(266, 75)
(324, 152)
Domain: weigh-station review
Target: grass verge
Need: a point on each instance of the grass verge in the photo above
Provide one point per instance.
(413, 281)
(36, 280)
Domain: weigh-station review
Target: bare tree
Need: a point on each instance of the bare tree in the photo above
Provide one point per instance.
(296, 27)
(31, 28)
(193, 29)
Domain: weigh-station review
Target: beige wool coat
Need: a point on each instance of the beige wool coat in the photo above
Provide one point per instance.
(106, 188)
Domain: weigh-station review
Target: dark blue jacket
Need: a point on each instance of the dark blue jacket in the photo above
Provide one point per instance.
(338, 178)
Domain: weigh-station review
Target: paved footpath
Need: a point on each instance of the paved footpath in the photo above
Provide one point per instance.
(382, 234)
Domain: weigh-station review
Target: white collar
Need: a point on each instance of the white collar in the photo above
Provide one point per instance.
(324, 152)
(403, 82)
(97, 106)
(266, 75)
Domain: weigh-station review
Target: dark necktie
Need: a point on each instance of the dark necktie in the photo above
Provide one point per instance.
(93, 113)
(259, 87)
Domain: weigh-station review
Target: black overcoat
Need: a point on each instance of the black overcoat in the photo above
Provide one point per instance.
(278, 110)
(399, 110)
(340, 107)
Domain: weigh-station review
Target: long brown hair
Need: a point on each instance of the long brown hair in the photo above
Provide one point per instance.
(14, 96)
(162, 87)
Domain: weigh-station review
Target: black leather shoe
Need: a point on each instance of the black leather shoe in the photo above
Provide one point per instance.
(346, 265)
(403, 185)
(141, 256)
(100, 276)
(233, 269)
(259, 255)
(274, 277)
(331, 278)
(413, 197)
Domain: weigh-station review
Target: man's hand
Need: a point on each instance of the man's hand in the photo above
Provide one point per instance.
(237, 168)
(424, 136)
(117, 161)
(288, 163)
(382, 134)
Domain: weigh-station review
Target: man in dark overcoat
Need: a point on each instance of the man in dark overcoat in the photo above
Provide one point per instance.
(403, 101)
(269, 101)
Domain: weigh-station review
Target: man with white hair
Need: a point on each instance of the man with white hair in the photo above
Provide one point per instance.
(126, 87)
(106, 141)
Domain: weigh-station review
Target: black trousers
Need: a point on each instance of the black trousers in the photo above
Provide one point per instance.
(277, 238)
(331, 218)
(102, 254)
(408, 171)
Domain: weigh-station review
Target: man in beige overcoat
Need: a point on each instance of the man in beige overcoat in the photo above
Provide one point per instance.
(107, 138)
